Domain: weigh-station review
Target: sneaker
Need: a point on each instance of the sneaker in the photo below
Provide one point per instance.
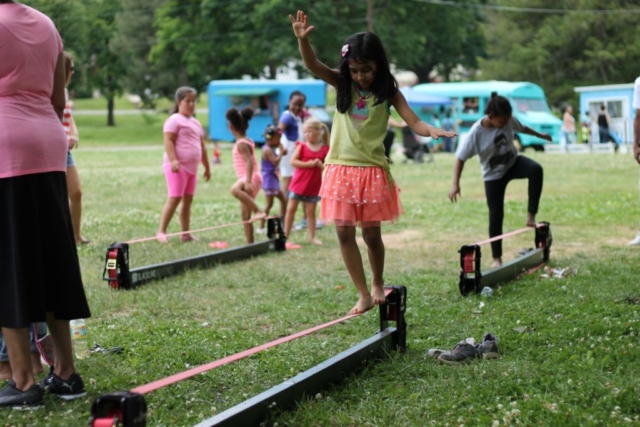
(30, 399)
(463, 352)
(69, 389)
(436, 352)
(635, 242)
(303, 223)
(261, 230)
(488, 349)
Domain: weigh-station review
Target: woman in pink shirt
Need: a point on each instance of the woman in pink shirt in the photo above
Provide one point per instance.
(40, 270)
(249, 180)
(184, 150)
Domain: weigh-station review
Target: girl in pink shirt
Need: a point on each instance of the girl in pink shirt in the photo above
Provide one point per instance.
(184, 150)
(244, 162)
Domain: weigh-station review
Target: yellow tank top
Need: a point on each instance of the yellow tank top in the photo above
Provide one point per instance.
(357, 135)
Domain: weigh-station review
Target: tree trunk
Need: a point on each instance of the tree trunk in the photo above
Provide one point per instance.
(110, 107)
(370, 15)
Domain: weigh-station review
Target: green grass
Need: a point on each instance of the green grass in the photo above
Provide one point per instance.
(123, 103)
(130, 130)
(576, 364)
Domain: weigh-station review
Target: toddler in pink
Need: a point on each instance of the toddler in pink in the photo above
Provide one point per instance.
(184, 150)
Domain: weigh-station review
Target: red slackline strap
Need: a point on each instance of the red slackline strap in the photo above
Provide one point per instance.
(146, 239)
(234, 357)
(502, 236)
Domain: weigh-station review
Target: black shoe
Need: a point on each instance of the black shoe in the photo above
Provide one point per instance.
(69, 389)
(489, 347)
(11, 397)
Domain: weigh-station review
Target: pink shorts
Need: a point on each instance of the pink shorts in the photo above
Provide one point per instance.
(181, 183)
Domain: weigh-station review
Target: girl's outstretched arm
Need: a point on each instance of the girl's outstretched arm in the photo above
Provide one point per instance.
(533, 132)
(301, 29)
(455, 187)
(414, 122)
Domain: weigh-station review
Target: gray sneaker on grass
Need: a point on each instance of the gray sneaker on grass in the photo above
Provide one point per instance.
(488, 349)
(462, 353)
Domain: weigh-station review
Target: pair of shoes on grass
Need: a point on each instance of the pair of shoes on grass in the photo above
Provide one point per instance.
(467, 350)
(33, 398)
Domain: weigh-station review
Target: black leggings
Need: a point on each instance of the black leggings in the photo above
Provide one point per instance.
(524, 167)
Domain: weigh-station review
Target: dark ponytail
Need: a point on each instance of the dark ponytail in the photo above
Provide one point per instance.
(239, 119)
(498, 106)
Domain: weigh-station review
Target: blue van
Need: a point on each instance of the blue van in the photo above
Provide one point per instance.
(269, 98)
(527, 100)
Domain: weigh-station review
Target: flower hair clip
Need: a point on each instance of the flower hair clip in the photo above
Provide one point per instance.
(345, 50)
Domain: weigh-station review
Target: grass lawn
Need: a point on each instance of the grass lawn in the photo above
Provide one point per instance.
(569, 347)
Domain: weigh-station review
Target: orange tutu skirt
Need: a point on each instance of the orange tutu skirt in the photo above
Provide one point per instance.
(358, 196)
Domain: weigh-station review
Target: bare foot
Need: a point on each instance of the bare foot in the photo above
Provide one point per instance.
(162, 237)
(189, 238)
(315, 241)
(5, 371)
(377, 295)
(258, 216)
(36, 364)
(531, 220)
(363, 305)
(497, 263)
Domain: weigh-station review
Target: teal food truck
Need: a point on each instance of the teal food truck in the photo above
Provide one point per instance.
(269, 99)
(527, 100)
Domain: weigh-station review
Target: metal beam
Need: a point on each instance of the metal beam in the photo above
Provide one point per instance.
(512, 269)
(255, 410)
(156, 271)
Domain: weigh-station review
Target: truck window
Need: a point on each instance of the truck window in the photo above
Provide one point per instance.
(470, 105)
(524, 105)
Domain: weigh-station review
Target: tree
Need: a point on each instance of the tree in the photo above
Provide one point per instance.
(560, 51)
(134, 37)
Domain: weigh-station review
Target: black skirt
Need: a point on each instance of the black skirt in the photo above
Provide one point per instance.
(39, 268)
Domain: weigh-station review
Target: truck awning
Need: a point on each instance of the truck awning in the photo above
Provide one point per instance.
(245, 92)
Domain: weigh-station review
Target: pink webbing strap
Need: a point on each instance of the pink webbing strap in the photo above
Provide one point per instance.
(502, 236)
(231, 224)
(234, 357)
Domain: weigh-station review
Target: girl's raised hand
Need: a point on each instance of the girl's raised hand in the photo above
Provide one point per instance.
(437, 133)
(300, 25)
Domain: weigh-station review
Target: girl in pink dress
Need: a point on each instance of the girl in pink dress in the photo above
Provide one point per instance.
(184, 150)
(308, 159)
(249, 180)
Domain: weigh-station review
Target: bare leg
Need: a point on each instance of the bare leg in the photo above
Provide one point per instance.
(292, 207)
(167, 212)
(283, 204)
(63, 353)
(17, 341)
(75, 201)
(286, 180)
(5, 371)
(531, 220)
(248, 226)
(267, 208)
(245, 198)
(375, 249)
(353, 262)
(310, 209)
(185, 215)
